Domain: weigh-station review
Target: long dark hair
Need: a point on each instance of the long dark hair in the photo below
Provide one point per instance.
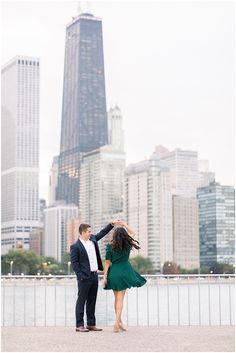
(122, 240)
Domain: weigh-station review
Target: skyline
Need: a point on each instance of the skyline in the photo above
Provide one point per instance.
(187, 73)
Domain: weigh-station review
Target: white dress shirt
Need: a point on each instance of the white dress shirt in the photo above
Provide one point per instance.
(90, 248)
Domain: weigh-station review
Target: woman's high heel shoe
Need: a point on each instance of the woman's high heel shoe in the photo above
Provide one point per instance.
(116, 328)
(121, 327)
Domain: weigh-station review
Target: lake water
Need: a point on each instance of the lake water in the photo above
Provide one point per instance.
(51, 302)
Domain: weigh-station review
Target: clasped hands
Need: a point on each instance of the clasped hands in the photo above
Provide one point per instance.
(118, 222)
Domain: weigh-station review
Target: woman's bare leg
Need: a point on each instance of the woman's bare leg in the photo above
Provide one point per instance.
(115, 301)
(119, 305)
(116, 325)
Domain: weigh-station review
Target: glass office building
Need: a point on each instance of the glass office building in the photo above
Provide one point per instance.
(216, 223)
(84, 116)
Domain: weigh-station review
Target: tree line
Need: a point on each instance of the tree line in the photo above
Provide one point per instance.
(27, 262)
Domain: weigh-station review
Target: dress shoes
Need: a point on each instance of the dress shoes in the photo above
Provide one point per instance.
(81, 329)
(94, 328)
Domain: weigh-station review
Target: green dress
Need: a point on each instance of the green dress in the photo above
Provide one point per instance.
(121, 275)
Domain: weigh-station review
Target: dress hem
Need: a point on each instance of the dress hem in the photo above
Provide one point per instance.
(125, 287)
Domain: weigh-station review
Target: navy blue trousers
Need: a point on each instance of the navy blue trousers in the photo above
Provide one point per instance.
(87, 296)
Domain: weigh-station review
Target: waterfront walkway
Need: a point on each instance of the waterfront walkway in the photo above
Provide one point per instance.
(136, 339)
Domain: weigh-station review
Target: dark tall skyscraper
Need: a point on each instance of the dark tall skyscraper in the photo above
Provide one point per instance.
(84, 117)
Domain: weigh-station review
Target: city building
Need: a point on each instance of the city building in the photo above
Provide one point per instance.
(115, 128)
(101, 188)
(185, 232)
(72, 232)
(84, 116)
(216, 224)
(20, 151)
(53, 180)
(56, 227)
(36, 241)
(42, 206)
(205, 176)
(183, 167)
(148, 208)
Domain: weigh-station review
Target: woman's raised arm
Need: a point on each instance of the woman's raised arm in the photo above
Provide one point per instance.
(129, 230)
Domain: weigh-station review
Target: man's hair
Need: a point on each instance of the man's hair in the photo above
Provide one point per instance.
(83, 227)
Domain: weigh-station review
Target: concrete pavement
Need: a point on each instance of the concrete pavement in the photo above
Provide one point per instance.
(135, 339)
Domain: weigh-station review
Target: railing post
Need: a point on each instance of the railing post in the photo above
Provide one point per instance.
(65, 305)
(106, 294)
(127, 307)
(3, 301)
(147, 303)
(168, 303)
(14, 303)
(230, 315)
(178, 303)
(34, 301)
(209, 300)
(24, 299)
(158, 308)
(188, 304)
(45, 298)
(137, 316)
(199, 302)
(219, 305)
(55, 302)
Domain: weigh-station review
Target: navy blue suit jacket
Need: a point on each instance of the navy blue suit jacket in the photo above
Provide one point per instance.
(79, 256)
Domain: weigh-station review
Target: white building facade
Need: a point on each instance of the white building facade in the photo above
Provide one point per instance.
(53, 180)
(115, 128)
(186, 232)
(147, 208)
(205, 176)
(56, 220)
(183, 167)
(101, 188)
(20, 151)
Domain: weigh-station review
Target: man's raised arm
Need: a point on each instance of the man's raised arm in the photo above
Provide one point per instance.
(106, 230)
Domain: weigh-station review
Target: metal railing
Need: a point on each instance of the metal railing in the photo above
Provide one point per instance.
(164, 300)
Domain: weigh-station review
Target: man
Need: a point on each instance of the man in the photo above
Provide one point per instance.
(86, 261)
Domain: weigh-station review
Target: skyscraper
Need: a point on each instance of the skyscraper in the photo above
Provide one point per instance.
(183, 170)
(53, 180)
(56, 219)
(84, 117)
(72, 232)
(148, 208)
(101, 194)
(216, 224)
(205, 176)
(185, 232)
(20, 151)
(115, 129)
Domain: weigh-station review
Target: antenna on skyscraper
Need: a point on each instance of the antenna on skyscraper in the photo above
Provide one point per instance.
(88, 6)
(79, 8)
(83, 6)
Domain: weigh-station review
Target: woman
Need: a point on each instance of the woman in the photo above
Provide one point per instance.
(118, 272)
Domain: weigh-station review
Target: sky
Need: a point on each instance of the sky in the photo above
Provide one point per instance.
(169, 66)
